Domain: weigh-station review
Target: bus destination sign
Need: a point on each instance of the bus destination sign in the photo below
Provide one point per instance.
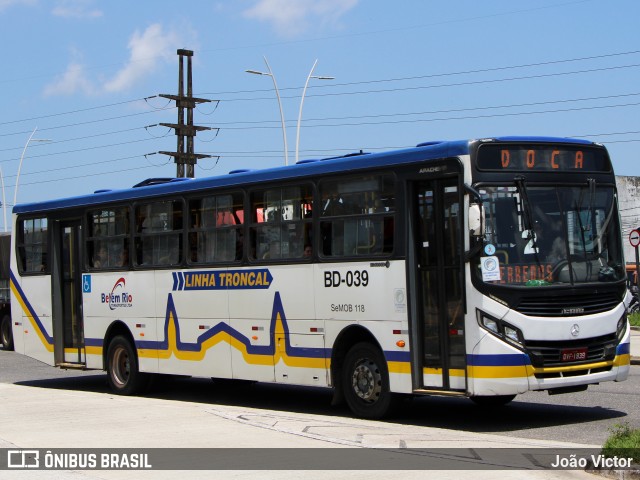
(538, 157)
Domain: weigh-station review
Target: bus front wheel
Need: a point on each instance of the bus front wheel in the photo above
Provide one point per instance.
(5, 333)
(122, 368)
(365, 381)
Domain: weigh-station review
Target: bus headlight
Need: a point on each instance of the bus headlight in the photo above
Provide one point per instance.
(621, 329)
(511, 333)
(500, 329)
(490, 324)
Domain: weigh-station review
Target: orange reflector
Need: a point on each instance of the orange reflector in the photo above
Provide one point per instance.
(142, 334)
(254, 337)
(400, 343)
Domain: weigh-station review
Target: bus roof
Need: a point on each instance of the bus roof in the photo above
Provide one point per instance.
(307, 168)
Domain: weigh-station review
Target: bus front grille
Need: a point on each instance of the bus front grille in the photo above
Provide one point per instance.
(569, 305)
(551, 353)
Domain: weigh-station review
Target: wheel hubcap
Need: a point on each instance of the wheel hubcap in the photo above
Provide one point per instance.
(121, 367)
(367, 381)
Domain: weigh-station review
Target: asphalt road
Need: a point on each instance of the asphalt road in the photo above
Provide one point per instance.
(585, 417)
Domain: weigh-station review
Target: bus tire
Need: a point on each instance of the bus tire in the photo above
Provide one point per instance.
(492, 400)
(365, 381)
(123, 374)
(5, 333)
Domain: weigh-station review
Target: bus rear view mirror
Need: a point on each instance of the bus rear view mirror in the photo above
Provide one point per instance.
(476, 220)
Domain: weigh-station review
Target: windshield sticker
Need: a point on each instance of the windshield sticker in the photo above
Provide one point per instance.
(489, 249)
(490, 267)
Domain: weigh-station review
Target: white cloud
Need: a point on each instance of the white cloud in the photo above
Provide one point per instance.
(291, 17)
(76, 9)
(72, 81)
(147, 50)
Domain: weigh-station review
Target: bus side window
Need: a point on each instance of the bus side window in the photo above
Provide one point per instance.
(215, 228)
(158, 238)
(281, 222)
(107, 238)
(32, 245)
(357, 217)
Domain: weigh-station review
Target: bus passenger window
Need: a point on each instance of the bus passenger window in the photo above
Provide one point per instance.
(281, 222)
(158, 239)
(215, 230)
(107, 237)
(32, 245)
(357, 217)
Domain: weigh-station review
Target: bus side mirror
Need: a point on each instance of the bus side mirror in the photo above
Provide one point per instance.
(476, 220)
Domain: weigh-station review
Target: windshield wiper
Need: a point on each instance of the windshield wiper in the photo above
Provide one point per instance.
(528, 215)
(591, 185)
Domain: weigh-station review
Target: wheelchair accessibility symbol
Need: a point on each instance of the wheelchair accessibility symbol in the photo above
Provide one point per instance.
(86, 283)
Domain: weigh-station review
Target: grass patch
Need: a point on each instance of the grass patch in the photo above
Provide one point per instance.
(634, 319)
(624, 442)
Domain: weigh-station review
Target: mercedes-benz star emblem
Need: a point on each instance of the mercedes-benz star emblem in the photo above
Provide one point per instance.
(575, 330)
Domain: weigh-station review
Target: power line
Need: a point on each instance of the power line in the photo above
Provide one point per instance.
(263, 124)
(437, 75)
(79, 150)
(334, 85)
(439, 119)
(88, 122)
(346, 35)
(88, 109)
(468, 117)
(86, 137)
(277, 154)
(443, 85)
(431, 112)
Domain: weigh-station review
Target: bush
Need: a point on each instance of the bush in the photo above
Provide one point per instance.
(624, 442)
(634, 319)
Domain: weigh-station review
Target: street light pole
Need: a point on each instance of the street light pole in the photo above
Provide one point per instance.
(31, 139)
(275, 85)
(304, 91)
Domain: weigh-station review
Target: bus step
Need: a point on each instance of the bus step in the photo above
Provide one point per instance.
(72, 366)
(444, 393)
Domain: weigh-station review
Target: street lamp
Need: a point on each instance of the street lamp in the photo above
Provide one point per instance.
(31, 139)
(304, 91)
(275, 85)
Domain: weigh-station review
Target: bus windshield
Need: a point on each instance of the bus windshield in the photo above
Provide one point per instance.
(543, 235)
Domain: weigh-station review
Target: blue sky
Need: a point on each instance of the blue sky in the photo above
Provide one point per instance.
(405, 72)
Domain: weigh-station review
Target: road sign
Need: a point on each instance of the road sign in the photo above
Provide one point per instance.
(634, 238)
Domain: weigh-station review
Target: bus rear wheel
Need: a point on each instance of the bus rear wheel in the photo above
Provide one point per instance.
(122, 368)
(5, 333)
(365, 381)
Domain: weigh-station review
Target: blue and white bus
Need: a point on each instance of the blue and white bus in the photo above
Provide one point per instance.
(483, 268)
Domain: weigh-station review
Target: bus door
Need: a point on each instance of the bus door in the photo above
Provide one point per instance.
(435, 259)
(68, 325)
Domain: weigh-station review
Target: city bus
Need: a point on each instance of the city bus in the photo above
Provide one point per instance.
(481, 269)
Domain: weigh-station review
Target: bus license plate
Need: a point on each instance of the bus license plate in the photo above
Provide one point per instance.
(574, 354)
